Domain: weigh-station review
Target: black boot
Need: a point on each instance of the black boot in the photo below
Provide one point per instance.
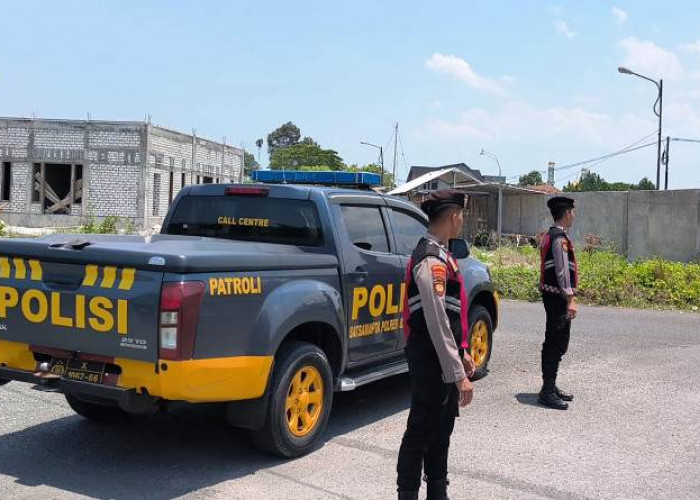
(549, 398)
(437, 489)
(408, 495)
(564, 396)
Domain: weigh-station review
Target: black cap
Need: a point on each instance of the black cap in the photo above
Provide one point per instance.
(560, 202)
(439, 200)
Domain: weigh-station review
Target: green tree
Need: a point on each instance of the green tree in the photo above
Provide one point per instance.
(283, 137)
(308, 141)
(588, 182)
(305, 155)
(375, 169)
(249, 164)
(534, 178)
(645, 185)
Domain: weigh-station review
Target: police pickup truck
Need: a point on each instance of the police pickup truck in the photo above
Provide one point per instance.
(265, 297)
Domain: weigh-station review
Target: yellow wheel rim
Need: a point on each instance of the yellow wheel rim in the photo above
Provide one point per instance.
(480, 343)
(304, 401)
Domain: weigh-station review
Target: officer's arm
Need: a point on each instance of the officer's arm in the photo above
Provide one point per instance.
(430, 276)
(561, 267)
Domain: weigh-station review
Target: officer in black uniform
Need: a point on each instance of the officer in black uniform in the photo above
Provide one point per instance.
(558, 281)
(436, 331)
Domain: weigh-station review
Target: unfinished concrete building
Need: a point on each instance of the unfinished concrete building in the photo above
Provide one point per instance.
(57, 172)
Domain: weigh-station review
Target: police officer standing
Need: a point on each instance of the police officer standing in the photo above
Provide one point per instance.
(558, 281)
(436, 331)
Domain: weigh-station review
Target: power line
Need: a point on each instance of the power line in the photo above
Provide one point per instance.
(626, 149)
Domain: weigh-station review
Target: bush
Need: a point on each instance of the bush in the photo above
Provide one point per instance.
(606, 279)
(109, 225)
(3, 228)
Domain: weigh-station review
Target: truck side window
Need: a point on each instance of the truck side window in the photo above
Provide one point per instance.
(365, 228)
(408, 230)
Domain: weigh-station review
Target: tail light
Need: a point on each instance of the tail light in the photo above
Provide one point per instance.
(179, 314)
(260, 192)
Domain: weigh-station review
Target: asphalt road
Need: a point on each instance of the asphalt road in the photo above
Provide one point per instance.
(633, 430)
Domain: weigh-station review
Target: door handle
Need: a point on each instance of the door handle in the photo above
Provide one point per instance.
(359, 275)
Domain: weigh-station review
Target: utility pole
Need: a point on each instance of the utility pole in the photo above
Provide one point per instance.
(665, 159)
(660, 102)
(396, 141)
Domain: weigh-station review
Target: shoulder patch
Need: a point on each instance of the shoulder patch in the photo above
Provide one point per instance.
(439, 274)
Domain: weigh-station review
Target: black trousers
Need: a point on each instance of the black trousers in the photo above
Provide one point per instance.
(434, 406)
(556, 335)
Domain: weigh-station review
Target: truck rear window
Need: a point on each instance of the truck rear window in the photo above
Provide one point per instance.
(268, 220)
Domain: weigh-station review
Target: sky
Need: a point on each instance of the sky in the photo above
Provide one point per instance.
(530, 82)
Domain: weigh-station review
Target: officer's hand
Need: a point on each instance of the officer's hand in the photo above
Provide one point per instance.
(469, 366)
(572, 309)
(466, 392)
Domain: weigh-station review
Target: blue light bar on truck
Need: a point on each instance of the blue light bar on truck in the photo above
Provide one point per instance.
(330, 178)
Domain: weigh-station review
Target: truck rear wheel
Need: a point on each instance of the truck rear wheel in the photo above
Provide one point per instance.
(301, 394)
(480, 339)
(94, 411)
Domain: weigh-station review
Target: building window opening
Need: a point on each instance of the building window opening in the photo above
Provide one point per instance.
(156, 193)
(171, 187)
(57, 186)
(207, 180)
(6, 179)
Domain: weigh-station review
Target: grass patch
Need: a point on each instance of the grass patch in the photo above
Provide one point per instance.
(606, 279)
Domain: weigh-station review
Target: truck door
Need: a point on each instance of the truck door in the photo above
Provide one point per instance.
(408, 226)
(372, 277)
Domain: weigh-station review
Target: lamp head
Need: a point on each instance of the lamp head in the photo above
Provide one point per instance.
(624, 70)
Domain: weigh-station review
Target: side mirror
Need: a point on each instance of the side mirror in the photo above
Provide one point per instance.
(459, 248)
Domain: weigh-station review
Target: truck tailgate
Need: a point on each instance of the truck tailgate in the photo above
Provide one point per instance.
(92, 308)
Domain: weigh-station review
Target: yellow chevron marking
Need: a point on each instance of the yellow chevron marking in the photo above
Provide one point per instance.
(109, 277)
(127, 280)
(36, 273)
(20, 268)
(91, 272)
(4, 267)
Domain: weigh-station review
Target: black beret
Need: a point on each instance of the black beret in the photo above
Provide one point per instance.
(560, 201)
(438, 200)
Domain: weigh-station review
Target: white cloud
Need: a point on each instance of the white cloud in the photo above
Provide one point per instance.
(647, 58)
(436, 103)
(519, 119)
(619, 15)
(555, 10)
(694, 94)
(693, 47)
(462, 70)
(563, 29)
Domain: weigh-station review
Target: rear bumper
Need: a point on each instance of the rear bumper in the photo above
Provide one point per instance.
(195, 381)
(127, 399)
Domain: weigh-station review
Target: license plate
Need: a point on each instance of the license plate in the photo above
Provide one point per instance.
(78, 370)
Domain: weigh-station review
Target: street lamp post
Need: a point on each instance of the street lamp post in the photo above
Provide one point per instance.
(381, 158)
(660, 102)
(500, 191)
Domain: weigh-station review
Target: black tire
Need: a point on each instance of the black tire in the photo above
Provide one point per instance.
(96, 412)
(276, 437)
(480, 348)
(3, 381)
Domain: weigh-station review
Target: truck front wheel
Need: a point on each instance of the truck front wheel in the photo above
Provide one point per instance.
(480, 339)
(301, 394)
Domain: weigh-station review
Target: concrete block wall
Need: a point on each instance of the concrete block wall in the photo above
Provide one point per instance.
(119, 160)
(169, 150)
(110, 154)
(635, 223)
